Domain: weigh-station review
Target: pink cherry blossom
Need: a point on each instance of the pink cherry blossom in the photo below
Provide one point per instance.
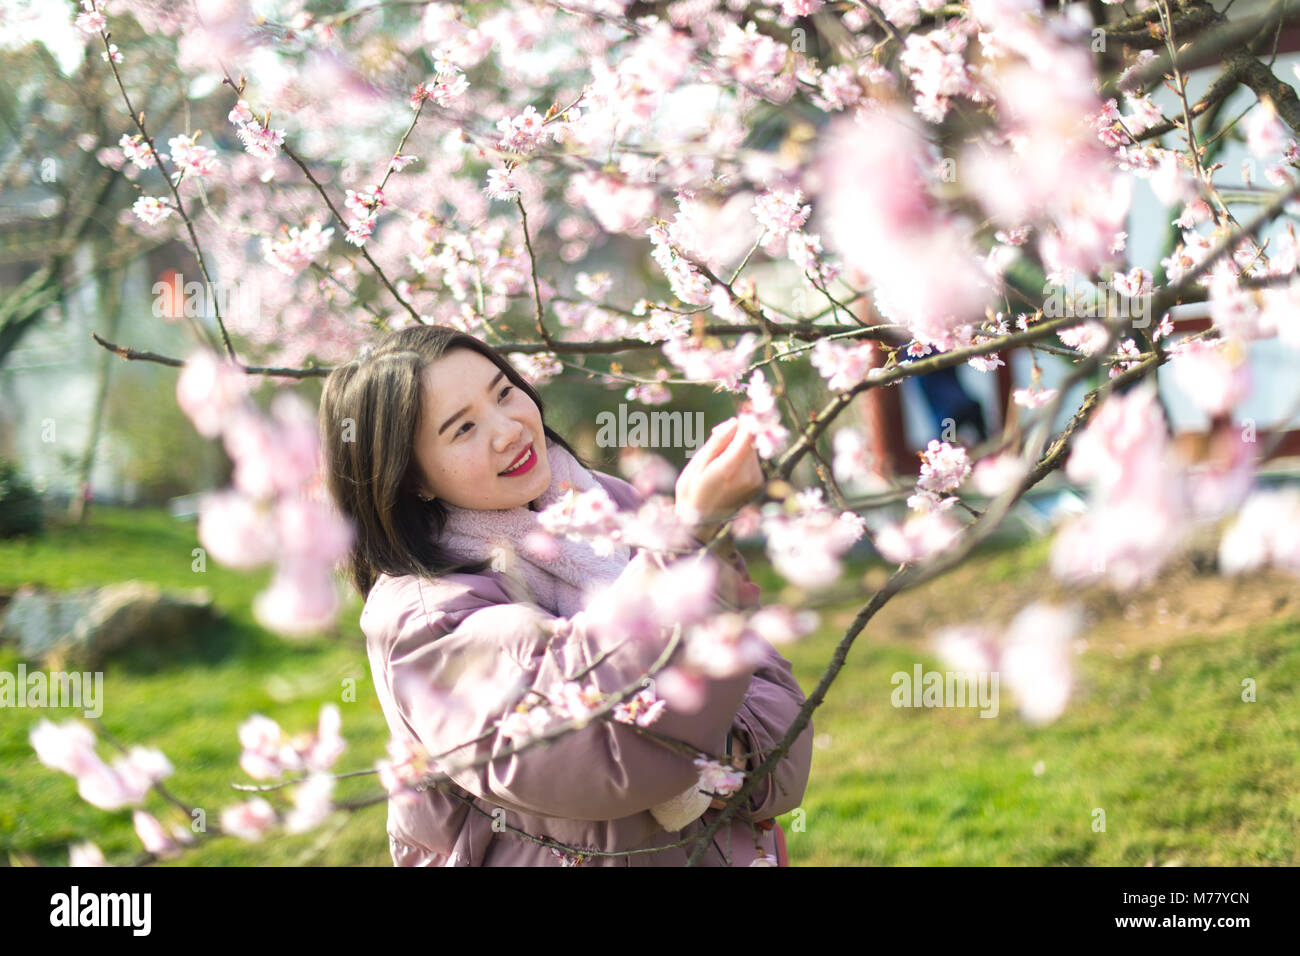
(843, 366)
(69, 747)
(855, 459)
(937, 70)
(151, 210)
(406, 766)
(994, 475)
(527, 721)
(537, 368)
(311, 803)
(310, 529)
(807, 548)
(298, 249)
(240, 114)
(839, 88)
(102, 786)
(262, 740)
(191, 158)
(618, 206)
(1124, 542)
(968, 648)
(943, 467)
(572, 701)
(209, 389)
(303, 599)
(687, 282)
(1267, 531)
(138, 151)
(149, 762)
(91, 22)
(249, 820)
(1037, 661)
(235, 530)
(260, 141)
(718, 778)
(1123, 446)
(642, 709)
(761, 418)
(783, 625)
(1213, 374)
(501, 185)
(648, 472)
(328, 744)
(359, 230)
(1218, 486)
(918, 537)
(704, 364)
(1265, 134)
(1089, 337)
(152, 834)
(591, 514)
(684, 690)
(881, 217)
(1033, 397)
(86, 854)
(779, 212)
(522, 133)
(723, 646)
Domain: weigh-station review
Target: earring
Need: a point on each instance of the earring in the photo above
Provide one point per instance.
(423, 498)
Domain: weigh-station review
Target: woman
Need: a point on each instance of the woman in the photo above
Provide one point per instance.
(436, 450)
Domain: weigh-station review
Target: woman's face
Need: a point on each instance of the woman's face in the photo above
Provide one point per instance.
(474, 424)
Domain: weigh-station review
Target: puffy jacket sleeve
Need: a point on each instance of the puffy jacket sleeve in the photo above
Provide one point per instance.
(460, 656)
(771, 704)
(772, 699)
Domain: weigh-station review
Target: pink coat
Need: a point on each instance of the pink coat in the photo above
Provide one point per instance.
(593, 787)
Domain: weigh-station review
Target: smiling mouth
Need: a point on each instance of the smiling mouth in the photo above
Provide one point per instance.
(523, 462)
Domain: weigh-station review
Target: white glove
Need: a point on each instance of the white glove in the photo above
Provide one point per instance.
(676, 813)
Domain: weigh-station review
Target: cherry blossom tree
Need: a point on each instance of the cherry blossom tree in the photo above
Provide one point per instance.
(879, 190)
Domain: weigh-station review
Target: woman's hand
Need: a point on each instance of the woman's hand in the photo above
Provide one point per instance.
(721, 477)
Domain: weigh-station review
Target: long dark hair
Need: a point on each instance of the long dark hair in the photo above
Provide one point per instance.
(369, 411)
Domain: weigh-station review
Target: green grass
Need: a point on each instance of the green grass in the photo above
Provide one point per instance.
(188, 701)
(1185, 771)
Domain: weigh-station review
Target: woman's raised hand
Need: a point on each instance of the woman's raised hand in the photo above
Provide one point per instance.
(721, 477)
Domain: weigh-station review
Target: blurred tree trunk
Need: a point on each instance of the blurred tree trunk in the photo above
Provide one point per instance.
(108, 290)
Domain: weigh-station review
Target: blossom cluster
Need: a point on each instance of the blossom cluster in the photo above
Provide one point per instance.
(274, 512)
(258, 138)
(806, 540)
(1034, 656)
(298, 248)
(760, 417)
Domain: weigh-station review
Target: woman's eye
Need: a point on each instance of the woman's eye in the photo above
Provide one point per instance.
(460, 431)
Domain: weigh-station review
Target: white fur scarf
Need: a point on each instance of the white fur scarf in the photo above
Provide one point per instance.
(558, 582)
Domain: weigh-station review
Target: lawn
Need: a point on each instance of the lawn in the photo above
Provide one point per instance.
(1157, 735)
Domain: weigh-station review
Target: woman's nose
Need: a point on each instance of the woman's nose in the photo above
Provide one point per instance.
(509, 436)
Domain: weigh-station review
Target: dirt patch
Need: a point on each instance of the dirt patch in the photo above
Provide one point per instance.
(1189, 598)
